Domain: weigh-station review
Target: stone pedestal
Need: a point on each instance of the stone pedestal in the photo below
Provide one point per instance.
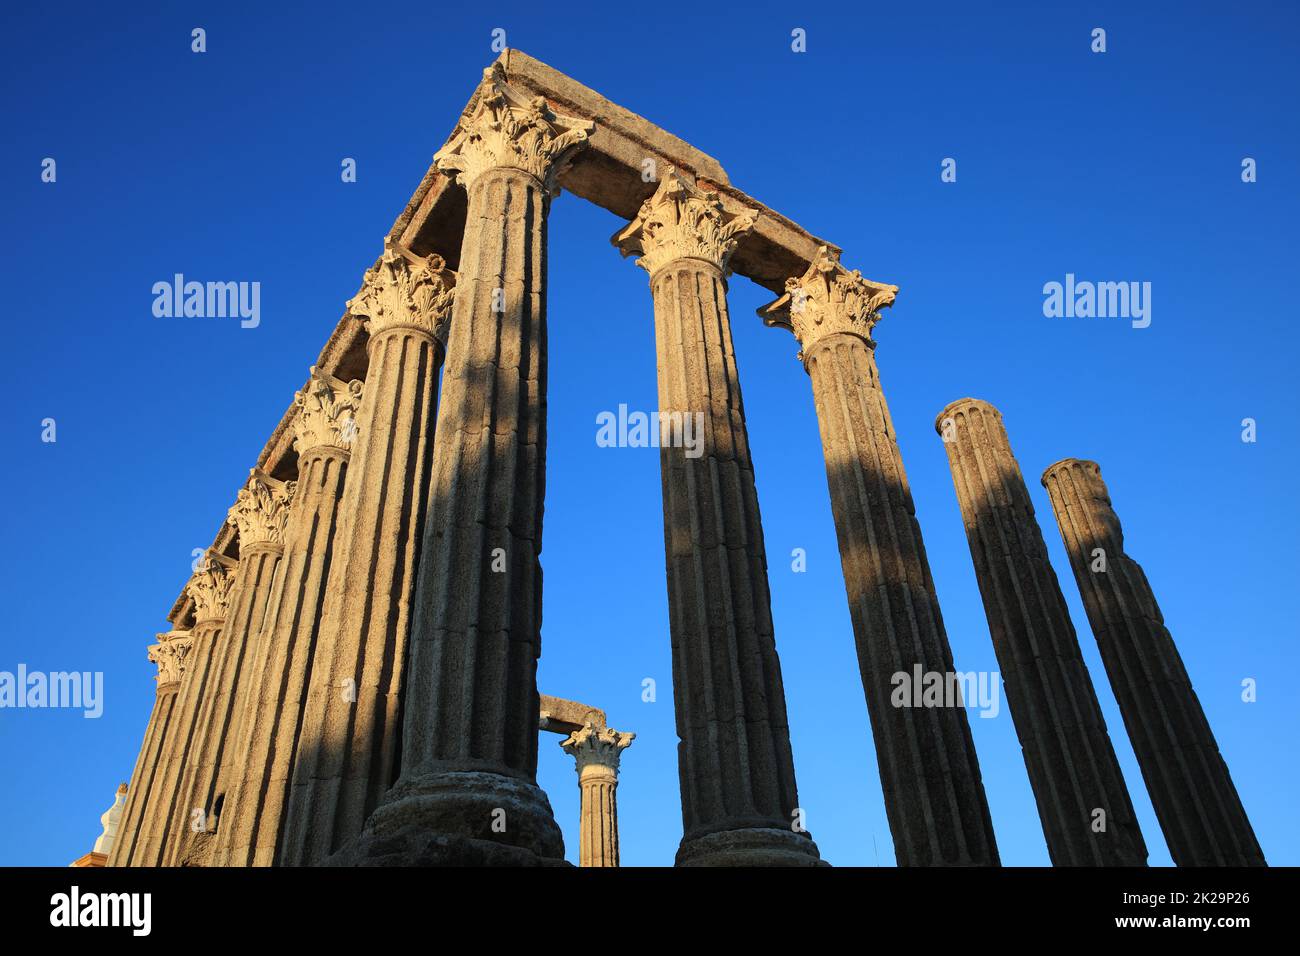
(467, 793)
(1083, 804)
(260, 513)
(596, 750)
(928, 768)
(739, 798)
(1202, 817)
(269, 718)
(348, 748)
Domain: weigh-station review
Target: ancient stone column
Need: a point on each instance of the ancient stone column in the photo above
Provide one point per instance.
(348, 746)
(211, 589)
(260, 512)
(169, 655)
(467, 792)
(257, 778)
(1083, 804)
(596, 751)
(930, 774)
(739, 799)
(1195, 801)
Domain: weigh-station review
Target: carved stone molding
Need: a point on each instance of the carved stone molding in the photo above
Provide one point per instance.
(261, 509)
(403, 290)
(594, 746)
(327, 412)
(512, 131)
(829, 299)
(682, 221)
(210, 587)
(169, 654)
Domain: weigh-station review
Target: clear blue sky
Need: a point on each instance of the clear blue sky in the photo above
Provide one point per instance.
(225, 166)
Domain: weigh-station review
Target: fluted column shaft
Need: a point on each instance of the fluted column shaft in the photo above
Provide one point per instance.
(598, 835)
(211, 589)
(1202, 816)
(348, 748)
(194, 817)
(148, 764)
(159, 827)
(1067, 750)
(469, 750)
(164, 799)
(474, 654)
(736, 766)
(929, 771)
(271, 709)
(470, 735)
(739, 797)
(169, 654)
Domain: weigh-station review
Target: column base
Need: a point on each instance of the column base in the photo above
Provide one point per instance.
(754, 846)
(470, 818)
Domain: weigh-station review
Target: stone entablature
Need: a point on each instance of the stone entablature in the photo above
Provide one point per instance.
(609, 172)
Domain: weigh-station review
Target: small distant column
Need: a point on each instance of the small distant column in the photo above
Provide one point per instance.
(1200, 813)
(596, 751)
(1083, 804)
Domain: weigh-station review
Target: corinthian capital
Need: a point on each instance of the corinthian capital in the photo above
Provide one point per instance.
(594, 746)
(261, 509)
(211, 586)
(828, 299)
(327, 412)
(510, 130)
(682, 221)
(169, 654)
(403, 290)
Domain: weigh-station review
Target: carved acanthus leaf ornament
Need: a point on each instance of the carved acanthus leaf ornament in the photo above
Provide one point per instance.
(511, 130)
(169, 654)
(211, 586)
(683, 221)
(597, 746)
(403, 290)
(829, 299)
(327, 412)
(261, 509)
